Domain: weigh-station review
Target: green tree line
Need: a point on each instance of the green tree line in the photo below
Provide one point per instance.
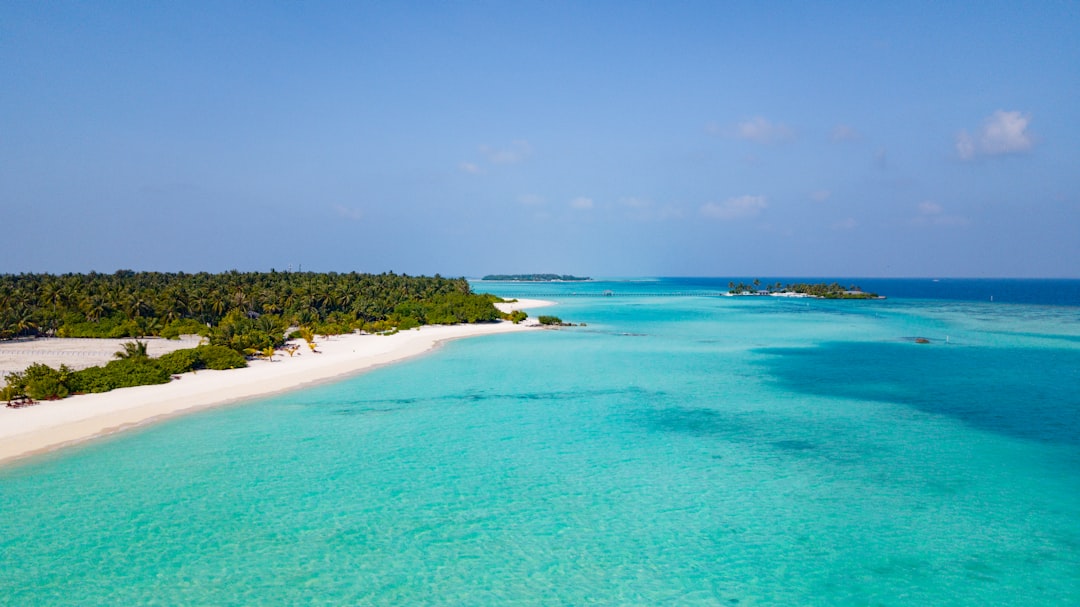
(240, 310)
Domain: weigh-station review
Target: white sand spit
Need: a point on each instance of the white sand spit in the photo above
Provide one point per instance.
(523, 304)
(17, 354)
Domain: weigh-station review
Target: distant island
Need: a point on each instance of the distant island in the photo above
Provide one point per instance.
(818, 290)
(536, 277)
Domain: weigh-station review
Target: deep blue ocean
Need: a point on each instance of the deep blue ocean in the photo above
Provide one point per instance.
(680, 448)
(1051, 292)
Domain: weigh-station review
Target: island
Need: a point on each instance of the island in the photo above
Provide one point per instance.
(84, 355)
(536, 278)
(817, 290)
(228, 318)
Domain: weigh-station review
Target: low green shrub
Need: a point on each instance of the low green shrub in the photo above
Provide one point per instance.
(113, 327)
(220, 357)
(90, 381)
(407, 323)
(122, 373)
(180, 361)
(40, 382)
(184, 326)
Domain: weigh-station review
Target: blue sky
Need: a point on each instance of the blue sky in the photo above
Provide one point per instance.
(599, 138)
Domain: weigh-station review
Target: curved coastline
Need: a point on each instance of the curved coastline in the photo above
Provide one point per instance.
(54, 425)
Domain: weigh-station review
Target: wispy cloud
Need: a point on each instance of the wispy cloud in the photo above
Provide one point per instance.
(582, 203)
(848, 223)
(348, 212)
(843, 132)
(516, 152)
(1001, 133)
(739, 207)
(756, 129)
(762, 131)
(928, 207)
(930, 213)
(643, 209)
(530, 200)
(820, 195)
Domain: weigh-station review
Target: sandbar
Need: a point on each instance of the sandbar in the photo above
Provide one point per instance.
(55, 424)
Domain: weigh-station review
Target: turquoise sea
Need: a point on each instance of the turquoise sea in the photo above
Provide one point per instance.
(680, 449)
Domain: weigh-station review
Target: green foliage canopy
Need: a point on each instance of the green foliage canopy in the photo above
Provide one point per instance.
(235, 311)
(137, 304)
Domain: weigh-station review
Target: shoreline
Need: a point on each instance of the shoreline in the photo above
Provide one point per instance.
(53, 425)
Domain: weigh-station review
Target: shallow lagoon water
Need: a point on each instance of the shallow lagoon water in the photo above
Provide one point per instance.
(677, 450)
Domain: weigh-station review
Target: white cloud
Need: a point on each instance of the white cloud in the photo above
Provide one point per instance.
(846, 224)
(1001, 133)
(348, 213)
(531, 200)
(755, 129)
(820, 195)
(930, 213)
(965, 147)
(734, 208)
(843, 132)
(582, 203)
(762, 131)
(643, 209)
(1005, 133)
(636, 203)
(927, 207)
(471, 168)
(516, 152)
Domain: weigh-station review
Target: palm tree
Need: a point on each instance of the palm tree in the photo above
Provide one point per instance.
(149, 325)
(94, 307)
(24, 321)
(132, 349)
(217, 304)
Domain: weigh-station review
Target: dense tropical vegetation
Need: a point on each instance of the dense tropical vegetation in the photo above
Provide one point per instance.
(236, 309)
(237, 313)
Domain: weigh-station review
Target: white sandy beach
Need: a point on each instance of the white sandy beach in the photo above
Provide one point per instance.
(17, 354)
(51, 425)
